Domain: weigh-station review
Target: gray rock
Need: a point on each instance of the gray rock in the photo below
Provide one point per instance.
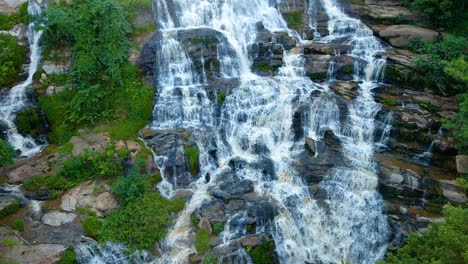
(310, 145)
(56, 218)
(347, 90)
(401, 35)
(53, 67)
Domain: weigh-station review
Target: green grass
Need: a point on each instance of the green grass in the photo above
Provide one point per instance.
(294, 19)
(7, 21)
(7, 153)
(10, 209)
(193, 155)
(202, 241)
(389, 102)
(217, 227)
(83, 210)
(17, 224)
(68, 257)
(91, 226)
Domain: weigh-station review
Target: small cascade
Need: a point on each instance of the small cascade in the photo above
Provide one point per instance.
(17, 98)
(426, 155)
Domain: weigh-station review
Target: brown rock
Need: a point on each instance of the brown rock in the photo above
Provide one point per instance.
(462, 164)
(347, 90)
(401, 35)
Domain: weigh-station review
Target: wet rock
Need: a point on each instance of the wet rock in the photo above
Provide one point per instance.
(213, 211)
(35, 254)
(255, 240)
(348, 90)
(283, 39)
(91, 194)
(310, 145)
(462, 164)
(56, 218)
(401, 35)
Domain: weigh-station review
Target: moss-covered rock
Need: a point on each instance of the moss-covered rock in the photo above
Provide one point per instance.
(264, 253)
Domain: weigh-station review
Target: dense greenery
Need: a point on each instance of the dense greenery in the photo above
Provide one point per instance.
(91, 226)
(217, 227)
(132, 186)
(17, 224)
(68, 257)
(263, 254)
(28, 121)
(202, 240)
(443, 243)
(12, 57)
(10, 209)
(7, 21)
(141, 222)
(193, 155)
(7, 153)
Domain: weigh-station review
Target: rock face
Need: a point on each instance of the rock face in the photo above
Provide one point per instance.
(462, 164)
(10, 6)
(89, 141)
(401, 35)
(93, 195)
(56, 218)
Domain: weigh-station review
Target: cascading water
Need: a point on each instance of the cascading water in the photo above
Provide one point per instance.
(17, 98)
(255, 125)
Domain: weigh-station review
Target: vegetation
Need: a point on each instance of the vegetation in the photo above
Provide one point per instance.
(17, 224)
(28, 121)
(91, 226)
(12, 57)
(389, 102)
(68, 257)
(141, 222)
(443, 242)
(7, 153)
(221, 97)
(7, 21)
(209, 259)
(202, 241)
(263, 254)
(294, 19)
(193, 155)
(131, 186)
(10, 209)
(217, 227)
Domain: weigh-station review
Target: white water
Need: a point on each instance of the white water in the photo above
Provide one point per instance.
(255, 125)
(16, 99)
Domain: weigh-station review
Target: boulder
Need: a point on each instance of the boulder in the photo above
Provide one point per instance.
(401, 35)
(347, 90)
(36, 166)
(10, 6)
(462, 164)
(56, 218)
(255, 240)
(310, 145)
(91, 194)
(89, 141)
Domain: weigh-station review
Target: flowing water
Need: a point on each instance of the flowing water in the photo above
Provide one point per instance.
(255, 125)
(17, 98)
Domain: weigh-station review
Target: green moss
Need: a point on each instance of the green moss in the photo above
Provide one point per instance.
(12, 57)
(217, 227)
(194, 219)
(7, 153)
(66, 148)
(406, 137)
(389, 102)
(68, 257)
(348, 69)
(202, 241)
(263, 67)
(294, 19)
(209, 259)
(7, 21)
(28, 122)
(429, 107)
(83, 210)
(397, 74)
(318, 76)
(17, 224)
(144, 29)
(263, 254)
(221, 97)
(91, 226)
(251, 228)
(10, 209)
(192, 153)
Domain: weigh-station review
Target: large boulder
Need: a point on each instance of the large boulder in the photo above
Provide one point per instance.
(401, 35)
(57, 218)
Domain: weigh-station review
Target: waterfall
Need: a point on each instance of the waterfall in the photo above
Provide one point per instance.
(17, 98)
(255, 126)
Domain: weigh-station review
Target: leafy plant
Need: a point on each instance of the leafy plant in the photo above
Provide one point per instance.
(263, 254)
(7, 153)
(209, 259)
(12, 57)
(17, 224)
(217, 227)
(443, 242)
(28, 121)
(10, 209)
(91, 226)
(202, 240)
(221, 97)
(131, 186)
(192, 154)
(294, 19)
(7, 21)
(68, 257)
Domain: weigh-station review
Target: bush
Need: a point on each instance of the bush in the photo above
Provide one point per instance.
(139, 223)
(91, 226)
(7, 21)
(202, 241)
(263, 254)
(12, 57)
(10, 209)
(440, 13)
(17, 225)
(192, 154)
(68, 257)
(443, 242)
(7, 153)
(221, 97)
(28, 121)
(131, 186)
(217, 227)
(51, 182)
(294, 19)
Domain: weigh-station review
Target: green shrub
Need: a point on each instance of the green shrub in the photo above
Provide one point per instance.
(459, 126)
(10, 209)
(28, 121)
(443, 242)
(263, 254)
(318, 76)
(131, 186)
(217, 227)
(83, 210)
(192, 154)
(68, 257)
(17, 224)
(139, 223)
(209, 259)
(439, 13)
(389, 102)
(12, 57)
(91, 226)
(221, 97)
(7, 21)
(294, 19)
(7, 153)
(51, 182)
(202, 241)
(429, 107)
(194, 219)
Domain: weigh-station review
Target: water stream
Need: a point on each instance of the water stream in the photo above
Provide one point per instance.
(255, 126)
(17, 98)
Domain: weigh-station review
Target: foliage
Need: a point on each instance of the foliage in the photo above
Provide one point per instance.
(209, 259)
(263, 67)
(217, 227)
(9, 242)
(83, 210)
(131, 186)
(12, 57)
(17, 224)
(51, 182)
(429, 107)
(91, 226)
(193, 155)
(443, 242)
(389, 101)
(294, 19)
(221, 97)
(140, 222)
(28, 121)
(202, 240)
(7, 21)
(10, 209)
(459, 126)
(263, 254)
(463, 182)
(439, 13)
(68, 257)
(194, 219)
(7, 153)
